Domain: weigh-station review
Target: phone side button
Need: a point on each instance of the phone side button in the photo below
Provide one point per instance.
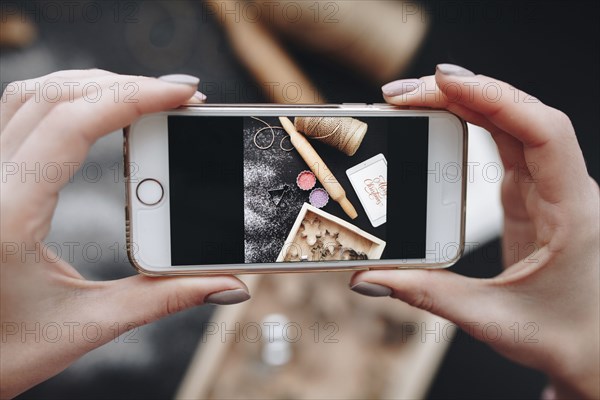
(127, 222)
(150, 192)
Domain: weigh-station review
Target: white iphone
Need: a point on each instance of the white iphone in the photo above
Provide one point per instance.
(215, 189)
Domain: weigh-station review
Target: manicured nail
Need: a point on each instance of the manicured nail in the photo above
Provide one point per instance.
(199, 96)
(453, 70)
(182, 79)
(227, 297)
(397, 88)
(371, 289)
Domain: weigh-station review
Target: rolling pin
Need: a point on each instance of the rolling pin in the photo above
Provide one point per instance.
(318, 167)
(378, 39)
(272, 67)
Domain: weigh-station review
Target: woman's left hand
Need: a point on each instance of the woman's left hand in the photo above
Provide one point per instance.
(50, 314)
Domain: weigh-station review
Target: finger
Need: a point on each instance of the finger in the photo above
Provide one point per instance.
(551, 153)
(69, 86)
(138, 300)
(18, 93)
(553, 167)
(519, 237)
(553, 158)
(425, 92)
(197, 98)
(510, 109)
(457, 298)
(36, 107)
(63, 138)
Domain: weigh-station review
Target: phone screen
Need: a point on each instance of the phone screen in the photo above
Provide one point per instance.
(240, 192)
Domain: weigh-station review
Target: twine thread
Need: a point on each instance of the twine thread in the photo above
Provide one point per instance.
(343, 133)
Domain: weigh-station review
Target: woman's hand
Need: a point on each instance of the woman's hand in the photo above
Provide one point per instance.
(550, 244)
(50, 314)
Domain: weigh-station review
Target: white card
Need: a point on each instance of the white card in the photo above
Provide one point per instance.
(369, 180)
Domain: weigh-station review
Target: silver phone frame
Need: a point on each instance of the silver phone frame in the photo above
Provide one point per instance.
(357, 110)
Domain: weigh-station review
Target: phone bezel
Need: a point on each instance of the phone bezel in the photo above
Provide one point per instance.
(144, 137)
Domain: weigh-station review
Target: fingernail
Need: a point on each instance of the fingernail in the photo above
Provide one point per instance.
(371, 289)
(199, 96)
(227, 297)
(453, 70)
(396, 88)
(182, 79)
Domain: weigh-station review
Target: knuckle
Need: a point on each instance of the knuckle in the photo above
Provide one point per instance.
(174, 303)
(595, 186)
(62, 74)
(16, 84)
(60, 111)
(563, 121)
(99, 71)
(52, 79)
(422, 299)
(11, 90)
(136, 110)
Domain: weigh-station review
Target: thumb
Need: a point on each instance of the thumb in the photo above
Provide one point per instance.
(138, 300)
(460, 299)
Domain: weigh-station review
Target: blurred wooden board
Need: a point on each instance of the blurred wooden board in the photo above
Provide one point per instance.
(350, 346)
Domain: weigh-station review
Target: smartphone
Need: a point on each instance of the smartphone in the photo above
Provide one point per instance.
(230, 189)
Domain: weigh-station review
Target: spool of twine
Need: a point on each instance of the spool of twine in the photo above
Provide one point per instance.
(343, 133)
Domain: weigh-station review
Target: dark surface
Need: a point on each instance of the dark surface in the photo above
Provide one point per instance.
(549, 49)
(268, 225)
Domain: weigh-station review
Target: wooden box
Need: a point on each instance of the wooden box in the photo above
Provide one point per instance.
(337, 237)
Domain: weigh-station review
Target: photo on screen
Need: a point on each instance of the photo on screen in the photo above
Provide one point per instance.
(294, 189)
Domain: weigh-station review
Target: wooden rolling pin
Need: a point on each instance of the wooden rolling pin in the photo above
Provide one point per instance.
(377, 38)
(272, 67)
(318, 167)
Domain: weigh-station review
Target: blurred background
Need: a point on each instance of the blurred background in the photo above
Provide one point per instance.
(289, 51)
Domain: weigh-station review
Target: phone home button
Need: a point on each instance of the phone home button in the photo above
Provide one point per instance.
(150, 192)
